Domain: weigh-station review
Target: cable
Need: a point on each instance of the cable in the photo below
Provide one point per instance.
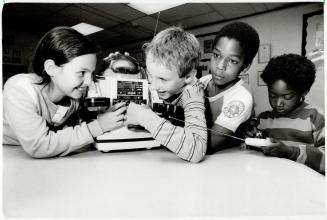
(219, 132)
(155, 30)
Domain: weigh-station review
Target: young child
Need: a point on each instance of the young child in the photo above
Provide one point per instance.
(296, 128)
(229, 97)
(39, 106)
(172, 58)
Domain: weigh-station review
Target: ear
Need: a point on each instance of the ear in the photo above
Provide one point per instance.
(50, 67)
(246, 68)
(190, 77)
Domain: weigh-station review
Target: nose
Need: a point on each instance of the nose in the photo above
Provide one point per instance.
(280, 102)
(222, 64)
(88, 79)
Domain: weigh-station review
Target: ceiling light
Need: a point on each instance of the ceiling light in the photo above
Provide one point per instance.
(151, 8)
(86, 29)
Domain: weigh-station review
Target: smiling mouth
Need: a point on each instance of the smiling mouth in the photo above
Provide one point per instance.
(217, 76)
(161, 93)
(81, 89)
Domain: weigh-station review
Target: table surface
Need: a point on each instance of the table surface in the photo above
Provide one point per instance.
(156, 183)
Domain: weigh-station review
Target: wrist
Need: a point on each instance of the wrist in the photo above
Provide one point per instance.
(102, 123)
(294, 153)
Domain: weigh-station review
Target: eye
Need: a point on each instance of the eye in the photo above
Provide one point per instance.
(289, 97)
(233, 61)
(216, 55)
(81, 73)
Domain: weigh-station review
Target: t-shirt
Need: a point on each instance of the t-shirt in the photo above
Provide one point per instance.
(231, 107)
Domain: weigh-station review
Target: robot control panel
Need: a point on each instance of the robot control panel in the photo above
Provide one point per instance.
(130, 91)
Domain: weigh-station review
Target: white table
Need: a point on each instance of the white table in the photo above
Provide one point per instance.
(155, 183)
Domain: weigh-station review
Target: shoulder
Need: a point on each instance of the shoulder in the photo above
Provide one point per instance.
(25, 84)
(316, 115)
(194, 90)
(22, 79)
(239, 94)
(242, 89)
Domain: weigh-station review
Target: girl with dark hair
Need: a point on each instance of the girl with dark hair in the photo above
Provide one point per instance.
(40, 108)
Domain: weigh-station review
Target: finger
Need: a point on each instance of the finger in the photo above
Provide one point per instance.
(265, 150)
(119, 105)
(120, 123)
(131, 106)
(126, 53)
(120, 110)
(145, 105)
(273, 140)
(121, 118)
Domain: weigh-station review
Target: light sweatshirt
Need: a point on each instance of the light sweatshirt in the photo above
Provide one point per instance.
(31, 120)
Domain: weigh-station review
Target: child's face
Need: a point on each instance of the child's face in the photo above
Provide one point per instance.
(227, 61)
(165, 81)
(72, 79)
(283, 99)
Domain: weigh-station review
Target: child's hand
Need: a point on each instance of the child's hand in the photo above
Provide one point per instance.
(113, 118)
(277, 149)
(252, 132)
(135, 112)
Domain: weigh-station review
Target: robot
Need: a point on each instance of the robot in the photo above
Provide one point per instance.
(122, 80)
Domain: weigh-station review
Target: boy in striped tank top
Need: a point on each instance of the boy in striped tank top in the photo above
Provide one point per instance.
(229, 97)
(296, 127)
(172, 58)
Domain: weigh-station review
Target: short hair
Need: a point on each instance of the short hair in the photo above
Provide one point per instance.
(245, 34)
(175, 48)
(60, 44)
(296, 71)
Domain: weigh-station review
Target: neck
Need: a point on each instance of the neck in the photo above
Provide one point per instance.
(172, 98)
(53, 94)
(221, 88)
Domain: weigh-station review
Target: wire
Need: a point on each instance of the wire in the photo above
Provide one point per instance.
(155, 30)
(219, 132)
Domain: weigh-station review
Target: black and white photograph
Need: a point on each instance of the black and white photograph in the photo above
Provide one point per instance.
(163, 109)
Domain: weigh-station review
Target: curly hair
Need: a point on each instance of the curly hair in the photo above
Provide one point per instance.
(297, 71)
(245, 34)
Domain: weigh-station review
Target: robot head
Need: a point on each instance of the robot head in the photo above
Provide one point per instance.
(122, 66)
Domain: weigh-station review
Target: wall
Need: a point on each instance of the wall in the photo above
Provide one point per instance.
(282, 29)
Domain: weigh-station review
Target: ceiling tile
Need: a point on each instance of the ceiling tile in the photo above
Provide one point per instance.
(199, 20)
(270, 6)
(183, 12)
(149, 23)
(258, 7)
(233, 10)
(83, 15)
(130, 31)
(117, 10)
